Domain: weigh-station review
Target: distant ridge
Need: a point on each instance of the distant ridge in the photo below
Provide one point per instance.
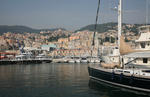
(107, 26)
(22, 29)
(100, 27)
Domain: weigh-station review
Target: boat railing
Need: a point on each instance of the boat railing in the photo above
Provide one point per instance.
(134, 72)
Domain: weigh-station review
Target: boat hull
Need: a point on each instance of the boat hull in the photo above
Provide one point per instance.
(129, 82)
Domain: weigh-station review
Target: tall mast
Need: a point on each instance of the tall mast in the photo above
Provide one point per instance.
(147, 12)
(119, 22)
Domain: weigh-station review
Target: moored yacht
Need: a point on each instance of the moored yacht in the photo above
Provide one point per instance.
(71, 60)
(24, 56)
(42, 57)
(84, 60)
(94, 60)
(119, 68)
(136, 79)
(77, 60)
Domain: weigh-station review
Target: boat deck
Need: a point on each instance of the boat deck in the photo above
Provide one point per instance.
(142, 73)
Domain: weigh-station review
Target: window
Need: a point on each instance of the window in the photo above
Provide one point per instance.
(126, 71)
(147, 71)
(134, 61)
(142, 45)
(145, 60)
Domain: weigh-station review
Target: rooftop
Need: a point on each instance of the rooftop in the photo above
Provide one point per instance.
(144, 37)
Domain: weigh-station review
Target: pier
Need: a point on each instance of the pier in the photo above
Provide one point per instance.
(25, 61)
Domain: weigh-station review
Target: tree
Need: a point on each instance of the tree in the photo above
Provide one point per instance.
(107, 39)
(126, 39)
(112, 39)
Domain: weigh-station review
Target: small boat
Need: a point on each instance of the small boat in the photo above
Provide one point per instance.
(24, 56)
(97, 61)
(77, 60)
(91, 61)
(43, 58)
(94, 60)
(84, 60)
(71, 61)
(65, 60)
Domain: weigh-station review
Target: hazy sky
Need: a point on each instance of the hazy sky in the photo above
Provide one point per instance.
(70, 14)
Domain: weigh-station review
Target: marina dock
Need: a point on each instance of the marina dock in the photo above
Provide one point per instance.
(26, 61)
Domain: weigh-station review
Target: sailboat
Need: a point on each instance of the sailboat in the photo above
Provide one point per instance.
(114, 68)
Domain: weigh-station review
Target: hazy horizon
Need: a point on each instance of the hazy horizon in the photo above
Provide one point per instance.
(66, 28)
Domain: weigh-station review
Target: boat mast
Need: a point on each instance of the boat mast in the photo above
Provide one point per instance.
(147, 12)
(93, 40)
(119, 30)
(119, 23)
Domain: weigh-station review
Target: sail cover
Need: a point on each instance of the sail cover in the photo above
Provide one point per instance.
(124, 47)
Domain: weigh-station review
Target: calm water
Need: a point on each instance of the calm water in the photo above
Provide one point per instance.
(54, 80)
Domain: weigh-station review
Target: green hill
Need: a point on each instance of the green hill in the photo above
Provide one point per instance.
(100, 27)
(22, 29)
(109, 26)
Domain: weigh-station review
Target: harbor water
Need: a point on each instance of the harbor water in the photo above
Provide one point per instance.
(54, 80)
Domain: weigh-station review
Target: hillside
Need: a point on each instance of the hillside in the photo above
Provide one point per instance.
(100, 27)
(110, 26)
(22, 29)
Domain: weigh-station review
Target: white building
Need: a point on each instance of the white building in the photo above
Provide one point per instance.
(141, 56)
(143, 43)
(49, 47)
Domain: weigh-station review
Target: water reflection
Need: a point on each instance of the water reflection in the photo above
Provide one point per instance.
(53, 80)
(106, 90)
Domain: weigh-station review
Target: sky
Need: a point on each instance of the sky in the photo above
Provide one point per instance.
(69, 14)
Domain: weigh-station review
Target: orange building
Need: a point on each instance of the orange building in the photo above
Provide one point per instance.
(73, 38)
(63, 40)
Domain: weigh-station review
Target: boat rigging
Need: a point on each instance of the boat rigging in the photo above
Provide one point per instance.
(129, 78)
